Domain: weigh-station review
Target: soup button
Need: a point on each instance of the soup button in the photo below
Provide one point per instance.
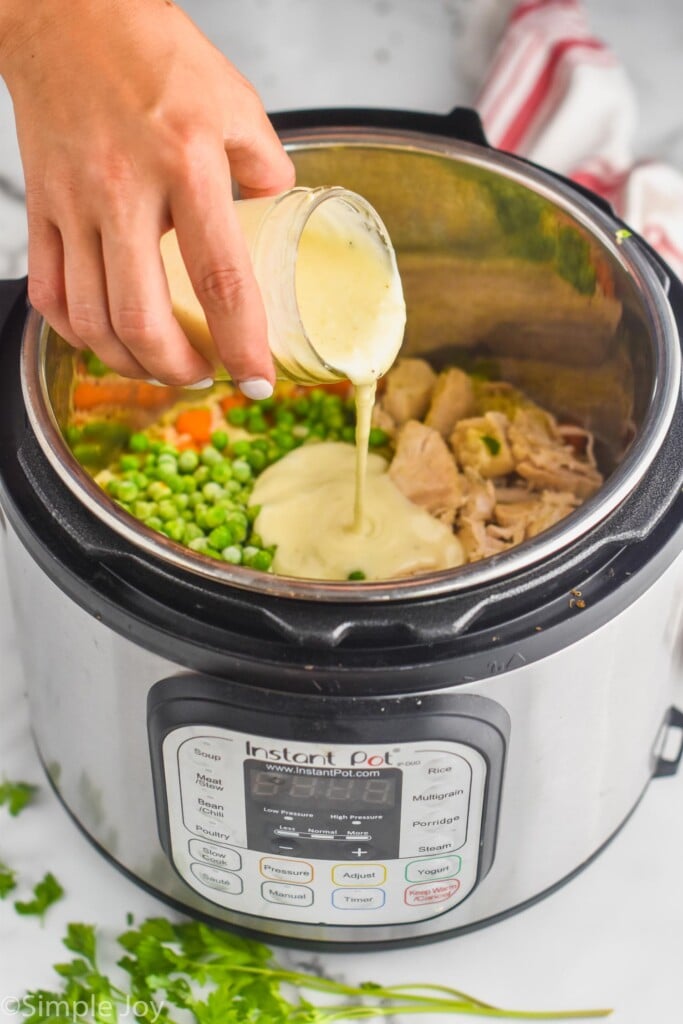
(430, 892)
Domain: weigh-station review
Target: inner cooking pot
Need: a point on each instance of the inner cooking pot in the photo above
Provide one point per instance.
(507, 270)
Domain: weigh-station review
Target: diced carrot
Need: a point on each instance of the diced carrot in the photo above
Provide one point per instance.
(89, 394)
(234, 401)
(183, 443)
(196, 423)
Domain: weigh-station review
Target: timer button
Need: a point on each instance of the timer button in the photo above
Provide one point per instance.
(216, 878)
(358, 899)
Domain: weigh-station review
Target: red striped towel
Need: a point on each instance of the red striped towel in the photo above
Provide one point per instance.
(558, 96)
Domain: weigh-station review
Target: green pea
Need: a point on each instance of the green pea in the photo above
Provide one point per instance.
(232, 554)
(138, 442)
(193, 532)
(221, 537)
(202, 474)
(257, 460)
(168, 449)
(214, 516)
(167, 510)
(153, 522)
(188, 461)
(348, 434)
(88, 453)
(158, 490)
(262, 560)
(189, 485)
(199, 544)
(167, 469)
(176, 482)
(210, 455)
(72, 435)
(357, 574)
(256, 425)
(241, 470)
(129, 462)
(150, 461)
(112, 487)
(175, 529)
(241, 448)
(237, 416)
(378, 437)
(252, 512)
(219, 439)
(181, 501)
(249, 552)
(196, 500)
(221, 472)
(144, 509)
(127, 491)
(213, 491)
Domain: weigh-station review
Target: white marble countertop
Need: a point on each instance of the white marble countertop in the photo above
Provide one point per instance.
(614, 935)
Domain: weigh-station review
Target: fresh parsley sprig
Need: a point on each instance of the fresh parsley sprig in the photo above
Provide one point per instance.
(46, 892)
(221, 978)
(8, 880)
(17, 796)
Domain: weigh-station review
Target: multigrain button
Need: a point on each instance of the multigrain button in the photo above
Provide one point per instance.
(287, 895)
(432, 867)
(358, 899)
(284, 869)
(216, 878)
(212, 853)
(359, 874)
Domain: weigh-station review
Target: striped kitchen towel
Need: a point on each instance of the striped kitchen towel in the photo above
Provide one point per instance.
(558, 96)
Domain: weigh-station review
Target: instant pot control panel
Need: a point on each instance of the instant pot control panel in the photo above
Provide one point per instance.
(293, 817)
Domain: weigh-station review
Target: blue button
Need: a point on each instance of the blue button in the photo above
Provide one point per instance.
(358, 899)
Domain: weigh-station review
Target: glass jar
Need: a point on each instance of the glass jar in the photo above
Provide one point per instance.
(330, 285)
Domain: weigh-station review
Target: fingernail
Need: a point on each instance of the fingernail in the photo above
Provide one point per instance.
(155, 382)
(256, 388)
(200, 385)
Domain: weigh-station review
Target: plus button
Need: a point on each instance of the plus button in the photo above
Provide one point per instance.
(359, 852)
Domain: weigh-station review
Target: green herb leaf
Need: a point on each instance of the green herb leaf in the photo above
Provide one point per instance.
(492, 443)
(80, 938)
(8, 880)
(45, 893)
(16, 795)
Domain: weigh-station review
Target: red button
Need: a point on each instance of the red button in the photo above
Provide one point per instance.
(430, 892)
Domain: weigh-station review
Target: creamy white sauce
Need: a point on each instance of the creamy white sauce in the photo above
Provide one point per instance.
(306, 510)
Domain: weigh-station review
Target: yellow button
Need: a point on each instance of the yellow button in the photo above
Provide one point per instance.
(285, 869)
(359, 874)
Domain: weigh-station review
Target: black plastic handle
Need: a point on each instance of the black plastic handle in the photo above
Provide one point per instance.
(461, 123)
(11, 292)
(667, 766)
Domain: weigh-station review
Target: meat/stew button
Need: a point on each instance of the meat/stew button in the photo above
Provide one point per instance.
(430, 892)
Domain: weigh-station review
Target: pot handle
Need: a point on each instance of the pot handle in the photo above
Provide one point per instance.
(666, 766)
(461, 123)
(10, 294)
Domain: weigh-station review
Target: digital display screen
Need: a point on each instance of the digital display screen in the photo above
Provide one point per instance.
(338, 792)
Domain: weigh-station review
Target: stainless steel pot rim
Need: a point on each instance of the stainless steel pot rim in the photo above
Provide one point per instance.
(664, 396)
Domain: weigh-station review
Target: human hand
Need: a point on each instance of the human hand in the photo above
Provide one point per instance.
(131, 122)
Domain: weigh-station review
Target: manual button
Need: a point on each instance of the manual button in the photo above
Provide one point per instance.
(359, 874)
(287, 895)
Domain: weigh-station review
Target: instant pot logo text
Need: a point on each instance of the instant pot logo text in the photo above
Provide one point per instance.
(285, 755)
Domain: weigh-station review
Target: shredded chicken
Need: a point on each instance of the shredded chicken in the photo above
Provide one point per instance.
(452, 400)
(481, 443)
(536, 514)
(424, 470)
(545, 461)
(408, 392)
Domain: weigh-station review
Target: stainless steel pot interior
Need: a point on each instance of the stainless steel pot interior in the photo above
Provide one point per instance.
(504, 268)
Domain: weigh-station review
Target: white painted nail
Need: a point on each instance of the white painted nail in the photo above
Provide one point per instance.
(200, 385)
(155, 382)
(256, 388)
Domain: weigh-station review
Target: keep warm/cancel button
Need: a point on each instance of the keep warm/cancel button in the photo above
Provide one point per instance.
(430, 892)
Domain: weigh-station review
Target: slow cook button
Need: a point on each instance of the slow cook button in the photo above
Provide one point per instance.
(430, 892)
(216, 878)
(287, 895)
(433, 867)
(283, 869)
(358, 899)
(359, 874)
(219, 856)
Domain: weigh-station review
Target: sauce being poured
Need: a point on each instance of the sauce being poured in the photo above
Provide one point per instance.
(305, 501)
(350, 301)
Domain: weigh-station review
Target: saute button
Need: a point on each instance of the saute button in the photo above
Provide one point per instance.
(284, 869)
(212, 853)
(432, 867)
(430, 892)
(216, 878)
(358, 899)
(359, 874)
(288, 895)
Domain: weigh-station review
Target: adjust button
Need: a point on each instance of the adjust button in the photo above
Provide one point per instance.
(287, 895)
(358, 899)
(212, 853)
(216, 878)
(359, 874)
(283, 869)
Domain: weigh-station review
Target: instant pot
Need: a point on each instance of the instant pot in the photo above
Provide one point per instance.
(351, 763)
